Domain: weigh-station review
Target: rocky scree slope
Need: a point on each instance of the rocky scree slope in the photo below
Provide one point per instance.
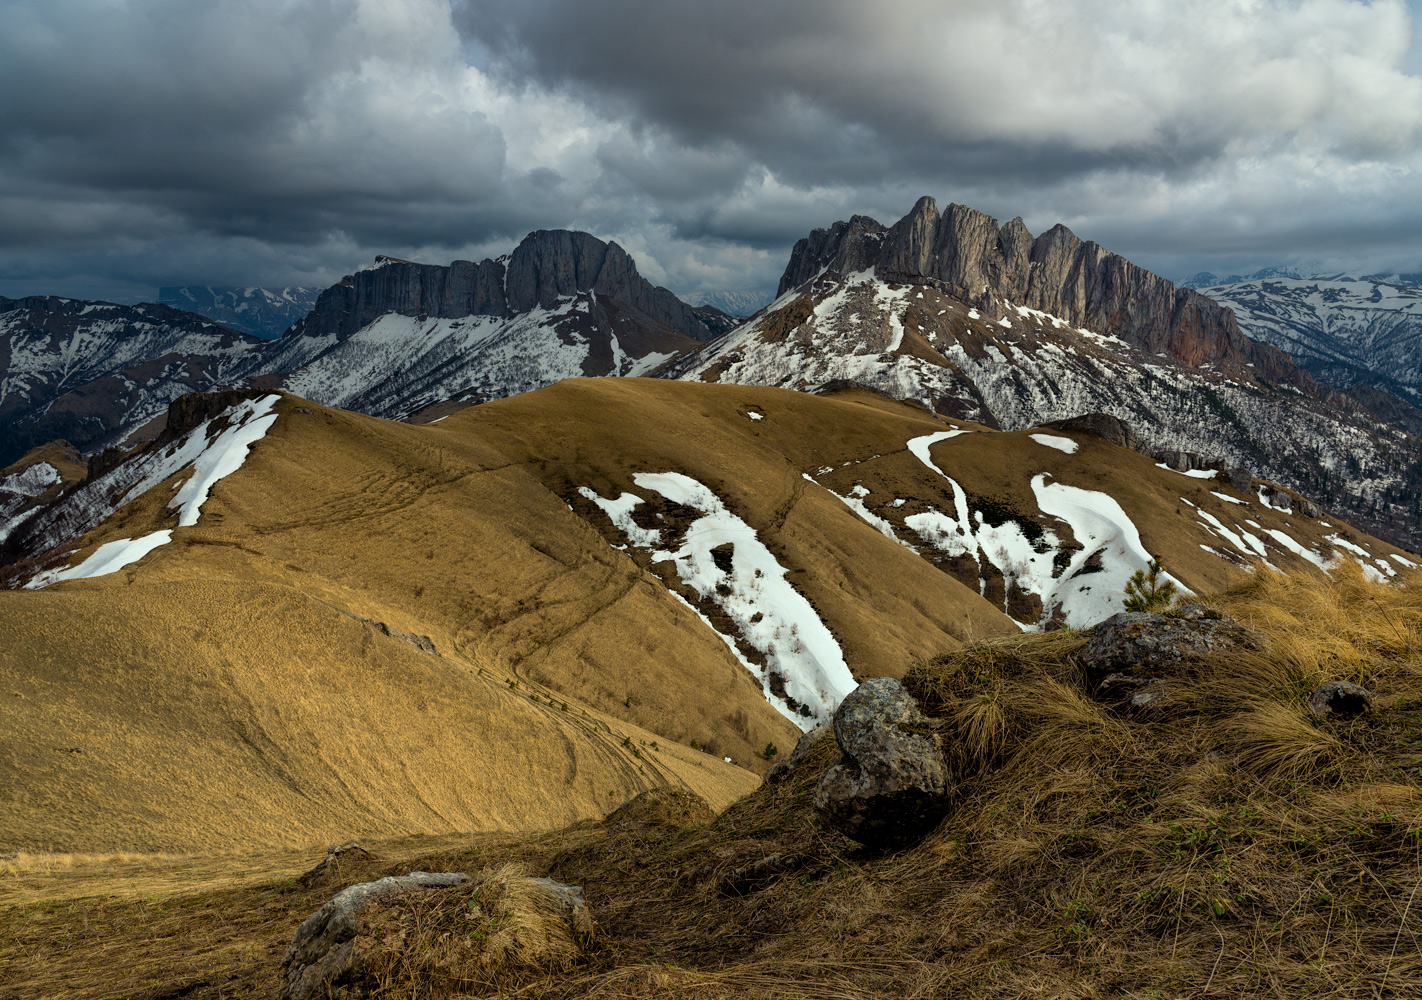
(981, 321)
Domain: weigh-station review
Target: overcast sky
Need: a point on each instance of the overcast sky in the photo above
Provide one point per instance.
(150, 142)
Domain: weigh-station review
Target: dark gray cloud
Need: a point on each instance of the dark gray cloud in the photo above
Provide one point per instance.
(147, 142)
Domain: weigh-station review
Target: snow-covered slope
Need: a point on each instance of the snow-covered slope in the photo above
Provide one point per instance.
(742, 303)
(91, 372)
(1343, 330)
(398, 364)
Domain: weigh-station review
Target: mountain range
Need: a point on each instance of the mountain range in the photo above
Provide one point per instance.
(977, 320)
(391, 340)
(614, 631)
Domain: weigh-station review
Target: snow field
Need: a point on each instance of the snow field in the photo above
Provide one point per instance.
(107, 558)
(1097, 522)
(1100, 527)
(770, 615)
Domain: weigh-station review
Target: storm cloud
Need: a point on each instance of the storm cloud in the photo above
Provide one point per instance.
(147, 142)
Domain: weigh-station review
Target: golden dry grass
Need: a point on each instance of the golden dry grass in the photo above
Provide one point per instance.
(1230, 847)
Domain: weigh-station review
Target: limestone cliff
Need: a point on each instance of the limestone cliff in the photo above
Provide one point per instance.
(992, 267)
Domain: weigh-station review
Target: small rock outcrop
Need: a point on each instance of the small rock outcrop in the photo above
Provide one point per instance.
(1105, 426)
(781, 768)
(334, 944)
(892, 785)
(660, 807)
(336, 856)
(425, 928)
(1343, 698)
(1146, 646)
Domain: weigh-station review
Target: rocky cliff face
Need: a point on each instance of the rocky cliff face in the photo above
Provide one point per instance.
(994, 268)
(548, 266)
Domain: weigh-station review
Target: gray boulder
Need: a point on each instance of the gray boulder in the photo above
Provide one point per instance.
(400, 926)
(1151, 645)
(332, 945)
(1241, 479)
(1340, 698)
(892, 785)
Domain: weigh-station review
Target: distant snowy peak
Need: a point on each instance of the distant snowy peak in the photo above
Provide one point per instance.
(740, 304)
(261, 312)
(1346, 331)
(1207, 279)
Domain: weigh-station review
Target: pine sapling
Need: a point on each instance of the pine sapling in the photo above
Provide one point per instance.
(1145, 591)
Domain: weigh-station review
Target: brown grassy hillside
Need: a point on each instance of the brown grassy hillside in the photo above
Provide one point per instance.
(246, 685)
(1231, 847)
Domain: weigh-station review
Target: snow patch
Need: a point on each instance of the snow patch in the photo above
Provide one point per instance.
(855, 502)
(1228, 499)
(107, 558)
(223, 456)
(619, 512)
(1288, 542)
(1062, 444)
(1192, 473)
(1104, 531)
(770, 615)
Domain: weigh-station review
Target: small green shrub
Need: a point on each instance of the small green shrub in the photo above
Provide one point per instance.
(1146, 592)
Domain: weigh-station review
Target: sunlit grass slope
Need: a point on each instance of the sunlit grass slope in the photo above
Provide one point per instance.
(1231, 845)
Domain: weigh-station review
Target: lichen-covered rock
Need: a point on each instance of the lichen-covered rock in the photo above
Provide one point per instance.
(892, 785)
(429, 931)
(333, 944)
(1340, 698)
(1151, 645)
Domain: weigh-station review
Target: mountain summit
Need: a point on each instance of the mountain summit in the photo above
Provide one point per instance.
(967, 255)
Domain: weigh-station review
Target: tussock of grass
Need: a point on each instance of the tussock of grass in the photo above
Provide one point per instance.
(1230, 845)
